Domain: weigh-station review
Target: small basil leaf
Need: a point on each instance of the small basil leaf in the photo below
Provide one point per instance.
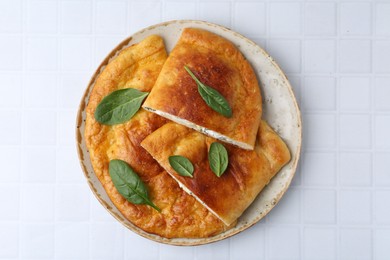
(119, 106)
(129, 184)
(181, 165)
(211, 96)
(218, 158)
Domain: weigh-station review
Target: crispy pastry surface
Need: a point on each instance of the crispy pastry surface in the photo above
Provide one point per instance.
(182, 216)
(219, 64)
(247, 174)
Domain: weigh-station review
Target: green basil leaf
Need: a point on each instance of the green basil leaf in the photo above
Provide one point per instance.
(218, 158)
(129, 184)
(181, 165)
(211, 96)
(119, 106)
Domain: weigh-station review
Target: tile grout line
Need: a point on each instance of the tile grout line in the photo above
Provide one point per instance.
(22, 115)
(372, 129)
(338, 131)
(58, 78)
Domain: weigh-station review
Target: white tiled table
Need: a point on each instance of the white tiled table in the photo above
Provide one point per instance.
(337, 56)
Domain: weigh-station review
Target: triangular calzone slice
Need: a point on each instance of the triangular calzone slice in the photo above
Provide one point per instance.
(216, 62)
(247, 174)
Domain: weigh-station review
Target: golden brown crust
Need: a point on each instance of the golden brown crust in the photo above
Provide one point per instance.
(247, 174)
(182, 216)
(217, 63)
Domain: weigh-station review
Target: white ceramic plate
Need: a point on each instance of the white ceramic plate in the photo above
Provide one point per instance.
(280, 110)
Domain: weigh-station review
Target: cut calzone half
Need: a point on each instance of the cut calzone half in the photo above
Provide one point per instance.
(247, 173)
(218, 64)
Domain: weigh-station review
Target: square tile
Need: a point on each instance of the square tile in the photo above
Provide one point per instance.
(76, 53)
(319, 206)
(111, 17)
(207, 11)
(355, 93)
(355, 56)
(42, 53)
(288, 210)
(319, 56)
(320, 131)
(37, 133)
(42, 17)
(320, 19)
(381, 169)
(283, 243)
(176, 253)
(255, 13)
(355, 18)
(11, 17)
(68, 166)
(106, 241)
(382, 130)
(9, 200)
(175, 10)
(148, 249)
(287, 53)
(355, 169)
(382, 18)
(355, 207)
(319, 93)
(37, 202)
(33, 170)
(65, 119)
(319, 243)
(297, 180)
(98, 212)
(72, 203)
(381, 208)
(381, 246)
(319, 169)
(10, 155)
(35, 85)
(242, 245)
(9, 240)
(71, 89)
(144, 13)
(12, 130)
(104, 46)
(355, 131)
(355, 244)
(285, 18)
(76, 17)
(382, 56)
(381, 93)
(74, 236)
(218, 251)
(11, 52)
(37, 241)
(12, 94)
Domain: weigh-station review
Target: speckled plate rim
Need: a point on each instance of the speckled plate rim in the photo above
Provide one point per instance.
(80, 144)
